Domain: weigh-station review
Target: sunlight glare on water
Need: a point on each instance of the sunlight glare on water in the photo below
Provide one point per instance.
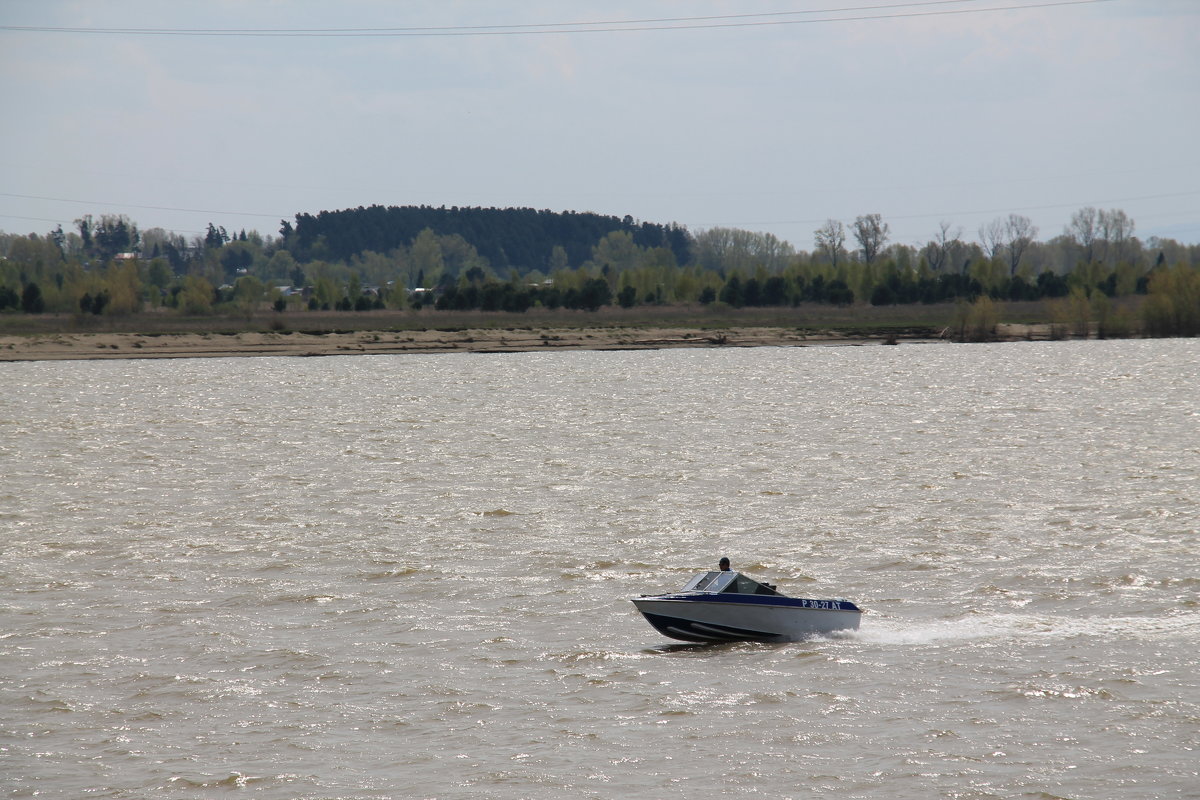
(408, 576)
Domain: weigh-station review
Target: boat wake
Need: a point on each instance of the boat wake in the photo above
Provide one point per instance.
(980, 627)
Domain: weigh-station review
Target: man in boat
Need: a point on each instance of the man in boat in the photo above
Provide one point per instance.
(723, 564)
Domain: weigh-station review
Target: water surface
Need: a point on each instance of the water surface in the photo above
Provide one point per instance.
(408, 576)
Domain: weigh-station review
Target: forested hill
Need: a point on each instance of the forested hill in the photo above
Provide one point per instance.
(508, 237)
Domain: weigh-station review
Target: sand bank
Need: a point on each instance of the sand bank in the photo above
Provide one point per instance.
(60, 346)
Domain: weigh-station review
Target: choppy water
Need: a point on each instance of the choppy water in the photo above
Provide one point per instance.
(407, 576)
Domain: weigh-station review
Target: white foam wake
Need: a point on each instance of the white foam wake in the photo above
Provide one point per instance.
(897, 631)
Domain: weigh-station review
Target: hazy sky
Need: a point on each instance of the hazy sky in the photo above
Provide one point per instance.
(774, 120)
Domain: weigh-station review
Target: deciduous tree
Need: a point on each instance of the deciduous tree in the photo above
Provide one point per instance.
(196, 297)
(1018, 236)
(248, 293)
(124, 287)
(1008, 237)
(425, 257)
(1115, 229)
(991, 237)
(1083, 229)
(728, 249)
(871, 232)
(945, 243)
(830, 239)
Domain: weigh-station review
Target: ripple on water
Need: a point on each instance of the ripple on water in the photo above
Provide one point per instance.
(337, 577)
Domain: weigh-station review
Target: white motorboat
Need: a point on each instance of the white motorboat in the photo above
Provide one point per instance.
(727, 606)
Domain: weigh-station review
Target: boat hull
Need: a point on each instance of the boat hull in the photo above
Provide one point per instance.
(746, 618)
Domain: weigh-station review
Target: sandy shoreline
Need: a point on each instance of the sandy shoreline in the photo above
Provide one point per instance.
(89, 346)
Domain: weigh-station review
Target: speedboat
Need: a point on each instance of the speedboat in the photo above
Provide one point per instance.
(727, 606)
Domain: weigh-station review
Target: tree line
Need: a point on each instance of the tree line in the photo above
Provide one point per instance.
(516, 259)
(506, 238)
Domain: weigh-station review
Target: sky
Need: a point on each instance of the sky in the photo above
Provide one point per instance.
(766, 115)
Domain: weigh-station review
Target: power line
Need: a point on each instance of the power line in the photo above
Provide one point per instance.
(611, 26)
(941, 214)
(1077, 204)
(473, 28)
(60, 222)
(34, 219)
(151, 208)
(951, 214)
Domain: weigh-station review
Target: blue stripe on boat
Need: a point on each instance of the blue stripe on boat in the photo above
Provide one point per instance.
(764, 600)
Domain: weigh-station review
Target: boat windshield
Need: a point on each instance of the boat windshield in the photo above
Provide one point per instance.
(727, 582)
(709, 582)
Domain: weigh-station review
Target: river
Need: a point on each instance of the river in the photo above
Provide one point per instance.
(408, 576)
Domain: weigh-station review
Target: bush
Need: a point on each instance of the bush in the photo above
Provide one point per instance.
(1112, 322)
(196, 297)
(838, 293)
(93, 305)
(1173, 305)
(595, 293)
(32, 301)
(976, 322)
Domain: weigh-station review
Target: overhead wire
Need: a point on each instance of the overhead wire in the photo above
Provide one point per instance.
(150, 208)
(948, 214)
(607, 26)
(931, 215)
(809, 16)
